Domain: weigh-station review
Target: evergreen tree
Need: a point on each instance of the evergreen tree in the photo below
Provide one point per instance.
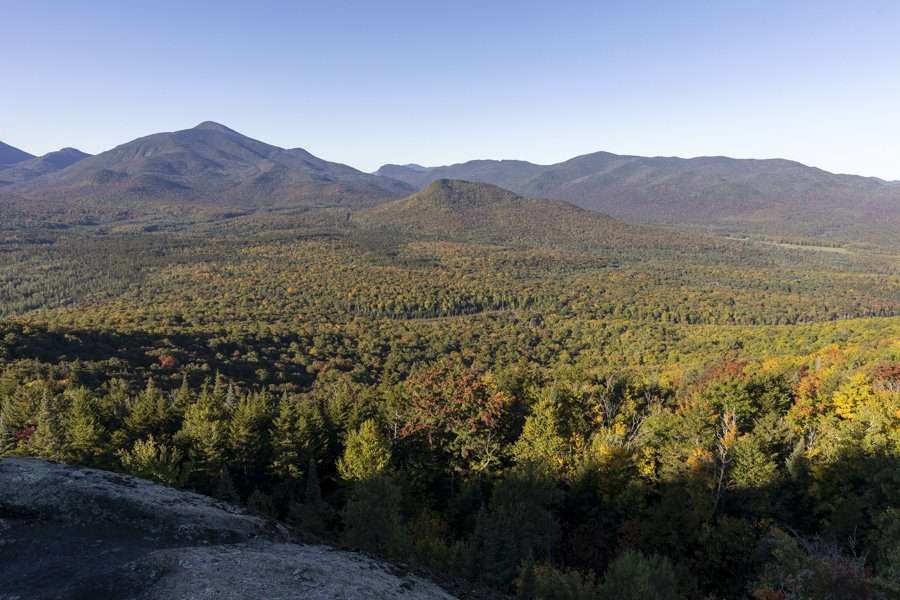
(149, 413)
(542, 442)
(47, 440)
(206, 432)
(286, 451)
(184, 397)
(83, 431)
(248, 433)
(152, 460)
(366, 453)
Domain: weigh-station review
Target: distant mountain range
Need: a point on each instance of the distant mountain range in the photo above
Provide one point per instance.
(210, 163)
(213, 165)
(776, 196)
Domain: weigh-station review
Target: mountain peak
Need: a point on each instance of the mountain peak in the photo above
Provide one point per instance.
(213, 126)
(458, 191)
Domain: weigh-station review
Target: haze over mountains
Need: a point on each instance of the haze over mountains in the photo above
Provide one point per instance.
(213, 165)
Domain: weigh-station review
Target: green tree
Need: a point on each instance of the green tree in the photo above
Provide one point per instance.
(47, 441)
(205, 430)
(150, 459)
(248, 438)
(84, 434)
(366, 453)
(542, 442)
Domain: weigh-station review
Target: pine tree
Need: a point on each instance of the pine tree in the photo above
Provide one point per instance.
(47, 440)
(285, 441)
(206, 432)
(152, 460)
(149, 413)
(248, 433)
(366, 453)
(83, 432)
(542, 443)
(184, 397)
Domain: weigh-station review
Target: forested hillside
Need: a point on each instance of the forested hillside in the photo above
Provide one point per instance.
(516, 394)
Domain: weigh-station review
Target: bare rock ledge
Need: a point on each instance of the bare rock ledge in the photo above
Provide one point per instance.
(75, 533)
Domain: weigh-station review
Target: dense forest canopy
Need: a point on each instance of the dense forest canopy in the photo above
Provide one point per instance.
(535, 400)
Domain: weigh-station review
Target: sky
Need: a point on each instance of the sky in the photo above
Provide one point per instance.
(368, 83)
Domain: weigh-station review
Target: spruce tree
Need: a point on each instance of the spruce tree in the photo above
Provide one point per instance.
(285, 433)
(248, 438)
(83, 432)
(205, 430)
(47, 440)
(366, 453)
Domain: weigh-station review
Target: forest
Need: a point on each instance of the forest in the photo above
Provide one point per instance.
(532, 415)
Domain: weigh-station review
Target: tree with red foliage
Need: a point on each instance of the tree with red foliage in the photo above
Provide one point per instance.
(459, 412)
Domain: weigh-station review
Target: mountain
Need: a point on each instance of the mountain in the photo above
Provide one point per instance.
(214, 164)
(774, 196)
(10, 155)
(37, 167)
(465, 211)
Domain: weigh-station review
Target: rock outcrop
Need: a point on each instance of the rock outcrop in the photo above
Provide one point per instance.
(75, 533)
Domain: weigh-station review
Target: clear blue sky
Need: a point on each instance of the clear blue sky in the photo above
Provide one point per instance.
(372, 82)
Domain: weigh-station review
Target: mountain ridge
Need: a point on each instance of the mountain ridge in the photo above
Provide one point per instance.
(211, 163)
(41, 165)
(743, 194)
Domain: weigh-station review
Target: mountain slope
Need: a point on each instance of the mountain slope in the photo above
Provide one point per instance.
(27, 170)
(461, 210)
(212, 163)
(10, 155)
(775, 196)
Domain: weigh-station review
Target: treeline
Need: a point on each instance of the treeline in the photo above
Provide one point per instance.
(771, 479)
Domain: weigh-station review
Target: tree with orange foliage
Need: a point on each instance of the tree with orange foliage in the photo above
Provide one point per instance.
(459, 412)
